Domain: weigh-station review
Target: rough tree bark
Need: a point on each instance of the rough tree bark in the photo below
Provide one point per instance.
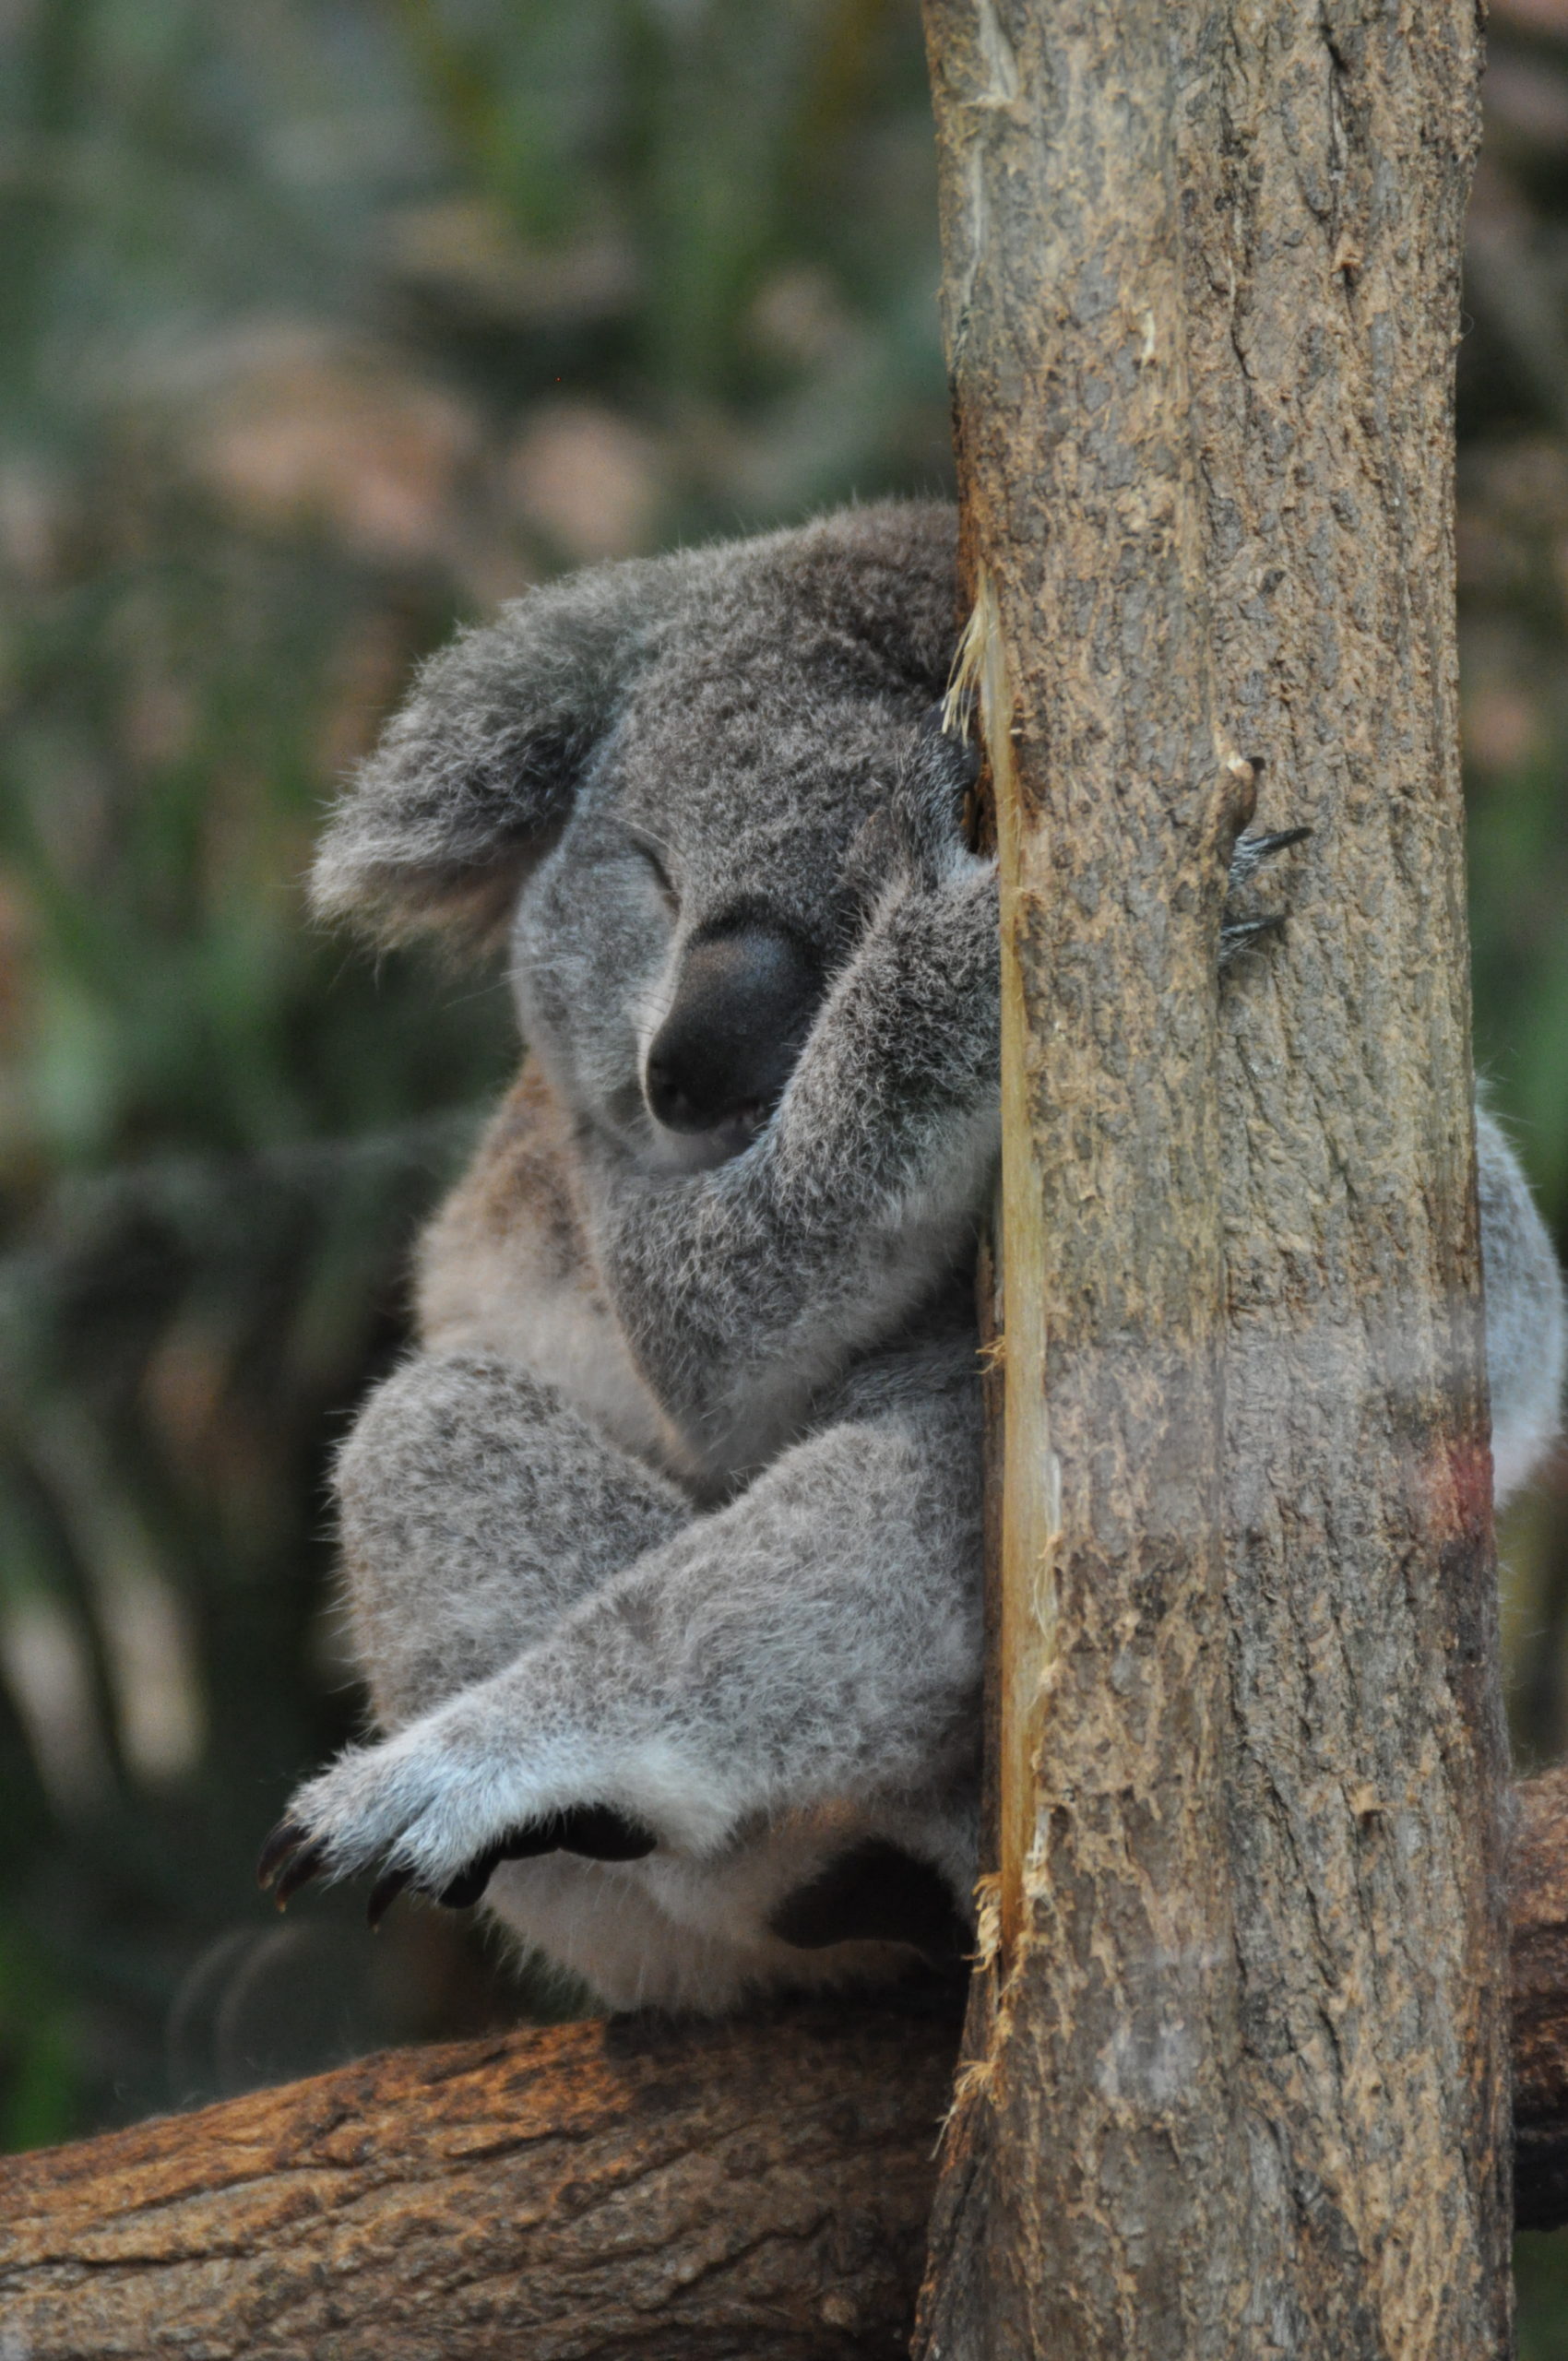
(1234, 2081)
(633, 2191)
(1109, 2046)
(1539, 2011)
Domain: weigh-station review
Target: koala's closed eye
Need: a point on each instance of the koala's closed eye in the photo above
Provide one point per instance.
(655, 856)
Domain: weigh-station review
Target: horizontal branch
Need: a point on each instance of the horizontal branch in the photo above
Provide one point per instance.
(635, 2190)
(1538, 1905)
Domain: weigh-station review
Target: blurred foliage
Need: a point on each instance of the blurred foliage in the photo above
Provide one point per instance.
(322, 324)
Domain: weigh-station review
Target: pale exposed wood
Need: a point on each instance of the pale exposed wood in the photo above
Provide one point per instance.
(1235, 2078)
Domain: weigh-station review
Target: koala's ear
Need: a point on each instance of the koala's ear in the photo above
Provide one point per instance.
(885, 577)
(474, 777)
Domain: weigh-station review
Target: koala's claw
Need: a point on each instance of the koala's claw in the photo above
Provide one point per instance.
(284, 1840)
(384, 1893)
(594, 1830)
(1236, 934)
(1248, 854)
(927, 802)
(289, 1859)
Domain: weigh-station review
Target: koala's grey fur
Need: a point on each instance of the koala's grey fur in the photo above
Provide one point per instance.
(676, 1510)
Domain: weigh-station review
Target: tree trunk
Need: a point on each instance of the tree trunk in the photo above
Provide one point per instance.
(635, 2192)
(1235, 2078)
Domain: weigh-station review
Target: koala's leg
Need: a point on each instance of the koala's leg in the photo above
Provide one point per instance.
(477, 1507)
(1525, 1326)
(816, 1640)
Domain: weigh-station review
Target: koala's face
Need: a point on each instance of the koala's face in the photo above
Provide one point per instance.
(662, 778)
(670, 953)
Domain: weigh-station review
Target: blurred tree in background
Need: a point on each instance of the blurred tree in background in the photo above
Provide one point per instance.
(322, 326)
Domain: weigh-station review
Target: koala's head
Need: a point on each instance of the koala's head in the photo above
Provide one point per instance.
(658, 780)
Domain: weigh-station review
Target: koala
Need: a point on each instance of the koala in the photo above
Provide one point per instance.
(663, 1549)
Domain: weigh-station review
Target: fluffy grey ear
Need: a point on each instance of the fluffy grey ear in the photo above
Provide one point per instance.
(884, 578)
(474, 777)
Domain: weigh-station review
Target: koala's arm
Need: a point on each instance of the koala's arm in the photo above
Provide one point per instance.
(1524, 1324)
(476, 1508)
(744, 1289)
(817, 1639)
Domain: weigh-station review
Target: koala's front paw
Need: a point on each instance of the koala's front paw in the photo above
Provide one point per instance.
(428, 1813)
(928, 803)
(1247, 857)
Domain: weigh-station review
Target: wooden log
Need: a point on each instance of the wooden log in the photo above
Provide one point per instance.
(636, 2189)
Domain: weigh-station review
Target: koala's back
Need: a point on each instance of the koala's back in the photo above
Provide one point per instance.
(506, 1268)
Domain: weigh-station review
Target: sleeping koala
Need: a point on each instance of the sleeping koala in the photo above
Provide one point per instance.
(663, 1550)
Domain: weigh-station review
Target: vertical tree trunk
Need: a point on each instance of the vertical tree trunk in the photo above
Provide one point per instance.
(1235, 2077)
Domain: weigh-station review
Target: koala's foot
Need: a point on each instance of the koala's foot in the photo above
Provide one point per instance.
(1248, 856)
(876, 1892)
(421, 1824)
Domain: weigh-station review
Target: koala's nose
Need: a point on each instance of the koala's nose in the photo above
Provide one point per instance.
(742, 1008)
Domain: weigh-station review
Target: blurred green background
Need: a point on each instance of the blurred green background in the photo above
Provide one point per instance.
(323, 324)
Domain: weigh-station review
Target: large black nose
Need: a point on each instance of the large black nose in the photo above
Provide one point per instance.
(743, 1007)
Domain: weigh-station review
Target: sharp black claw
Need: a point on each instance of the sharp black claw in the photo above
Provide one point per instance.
(384, 1893)
(469, 1884)
(299, 1869)
(1249, 853)
(1236, 936)
(1276, 842)
(281, 1845)
(1242, 930)
(601, 1835)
